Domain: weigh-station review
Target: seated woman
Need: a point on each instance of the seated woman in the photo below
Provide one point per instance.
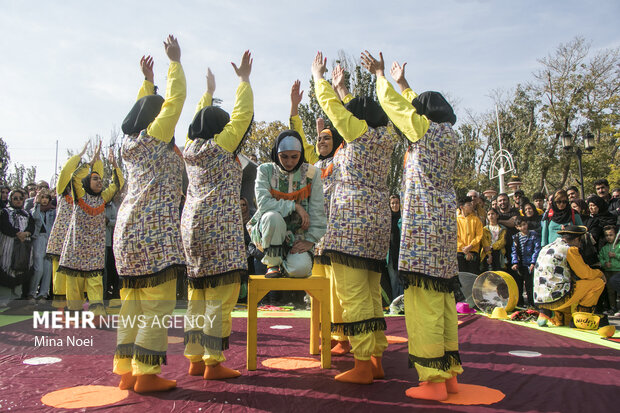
(290, 217)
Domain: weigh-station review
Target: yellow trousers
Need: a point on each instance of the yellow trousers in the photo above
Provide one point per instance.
(359, 293)
(216, 305)
(432, 326)
(327, 272)
(76, 286)
(59, 285)
(141, 346)
(586, 294)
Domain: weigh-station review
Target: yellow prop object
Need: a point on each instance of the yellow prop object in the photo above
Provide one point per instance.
(495, 289)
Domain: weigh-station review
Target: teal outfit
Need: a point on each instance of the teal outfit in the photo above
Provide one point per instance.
(550, 229)
(275, 226)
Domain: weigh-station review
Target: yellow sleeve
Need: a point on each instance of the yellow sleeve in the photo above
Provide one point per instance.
(309, 150)
(409, 94)
(64, 178)
(98, 167)
(477, 228)
(205, 100)
(501, 241)
(400, 111)
(349, 127)
(146, 89)
(581, 269)
(461, 234)
(112, 189)
(347, 98)
(78, 175)
(240, 119)
(163, 126)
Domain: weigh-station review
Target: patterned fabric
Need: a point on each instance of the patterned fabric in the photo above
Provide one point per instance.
(359, 212)
(84, 246)
(428, 239)
(64, 210)
(211, 224)
(552, 274)
(328, 187)
(147, 234)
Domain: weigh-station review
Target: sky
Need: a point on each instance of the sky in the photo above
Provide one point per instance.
(70, 71)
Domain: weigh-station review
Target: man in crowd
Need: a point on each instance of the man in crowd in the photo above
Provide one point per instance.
(539, 201)
(469, 235)
(478, 205)
(507, 216)
(518, 197)
(573, 193)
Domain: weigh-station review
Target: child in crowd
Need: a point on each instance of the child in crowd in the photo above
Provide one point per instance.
(493, 243)
(610, 262)
(469, 235)
(526, 246)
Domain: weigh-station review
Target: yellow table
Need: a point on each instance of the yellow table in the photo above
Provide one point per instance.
(318, 288)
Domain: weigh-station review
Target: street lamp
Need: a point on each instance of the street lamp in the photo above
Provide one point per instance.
(588, 144)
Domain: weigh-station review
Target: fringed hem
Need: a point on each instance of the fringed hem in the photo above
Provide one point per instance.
(557, 303)
(150, 357)
(211, 281)
(70, 272)
(210, 342)
(354, 261)
(59, 297)
(152, 280)
(427, 282)
(275, 251)
(124, 351)
(322, 260)
(443, 363)
(359, 327)
(216, 343)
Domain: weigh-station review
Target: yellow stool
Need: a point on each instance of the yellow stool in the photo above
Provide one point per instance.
(317, 287)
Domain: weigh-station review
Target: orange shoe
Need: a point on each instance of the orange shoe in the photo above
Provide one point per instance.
(452, 386)
(151, 383)
(360, 374)
(128, 380)
(377, 368)
(428, 391)
(219, 372)
(341, 348)
(196, 368)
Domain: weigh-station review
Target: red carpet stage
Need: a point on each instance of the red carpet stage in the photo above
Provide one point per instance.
(509, 367)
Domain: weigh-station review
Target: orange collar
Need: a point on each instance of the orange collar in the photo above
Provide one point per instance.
(92, 211)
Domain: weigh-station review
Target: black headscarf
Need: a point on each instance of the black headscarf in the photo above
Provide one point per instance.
(210, 121)
(86, 184)
(274, 150)
(336, 142)
(435, 107)
(603, 215)
(144, 112)
(560, 216)
(366, 108)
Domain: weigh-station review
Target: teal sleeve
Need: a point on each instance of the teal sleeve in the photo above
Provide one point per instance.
(316, 210)
(544, 239)
(265, 202)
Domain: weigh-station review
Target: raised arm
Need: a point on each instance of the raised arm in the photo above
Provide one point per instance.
(163, 126)
(148, 86)
(207, 97)
(297, 125)
(242, 114)
(64, 178)
(349, 127)
(400, 111)
(117, 179)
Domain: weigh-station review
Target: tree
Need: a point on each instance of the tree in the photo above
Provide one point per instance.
(261, 139)
(4, 160)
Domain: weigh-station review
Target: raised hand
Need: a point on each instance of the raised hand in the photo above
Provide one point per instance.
(338, 77)
(319, 66)
(111, 157)
(173, 51)
(146, 64)
(373, 65)
(398, 72)
(81, 154)
(97, 153)
(210, 82)
(245, 68)
(320, 125)
(296, 93)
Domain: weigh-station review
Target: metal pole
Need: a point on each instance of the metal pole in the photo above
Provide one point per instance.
(499, 140)
(583, 192)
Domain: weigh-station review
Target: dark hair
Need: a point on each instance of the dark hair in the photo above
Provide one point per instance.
(395, 196)
(572, 188)
(602, 181)
(615, 189)
(520, 220)
(610, 228)
(495, 211)
(582, 204)
(462, 201)
(538, 195)
(570, 237)
(503, 194)
(519, 192)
